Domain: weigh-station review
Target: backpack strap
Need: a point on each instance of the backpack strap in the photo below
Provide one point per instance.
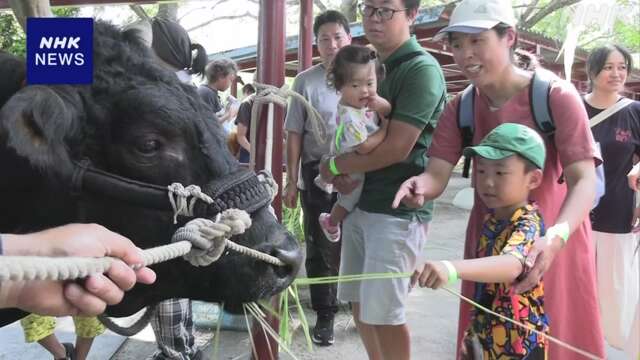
(539, 92)
(465, 123)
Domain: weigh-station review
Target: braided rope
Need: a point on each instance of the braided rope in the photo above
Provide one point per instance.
(201, 242)
(264, 176)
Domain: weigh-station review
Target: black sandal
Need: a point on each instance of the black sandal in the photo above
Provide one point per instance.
(70, 352)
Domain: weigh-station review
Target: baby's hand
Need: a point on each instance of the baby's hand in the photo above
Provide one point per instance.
(433, 275)
(380, 105)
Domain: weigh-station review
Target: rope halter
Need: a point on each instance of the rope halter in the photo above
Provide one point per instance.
(178, 197)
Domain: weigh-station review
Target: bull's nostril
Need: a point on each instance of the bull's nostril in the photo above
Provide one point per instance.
(293, 259)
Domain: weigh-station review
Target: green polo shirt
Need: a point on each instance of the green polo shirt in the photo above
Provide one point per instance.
(416, 91)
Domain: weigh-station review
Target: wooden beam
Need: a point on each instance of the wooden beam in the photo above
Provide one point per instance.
(4, 4)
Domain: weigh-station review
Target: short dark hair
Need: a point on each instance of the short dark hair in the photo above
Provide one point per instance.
(341, 68)
(220, 68)
(529, 166)
(330, 16)
(598, 58)
(411, 4)
(248, 89)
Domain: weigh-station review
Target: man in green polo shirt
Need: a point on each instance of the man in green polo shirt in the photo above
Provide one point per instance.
(375, 237)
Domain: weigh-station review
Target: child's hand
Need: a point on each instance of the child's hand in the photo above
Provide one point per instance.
(380, 105)
(433, 275)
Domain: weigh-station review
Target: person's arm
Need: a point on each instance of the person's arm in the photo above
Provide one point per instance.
(294, 150)
(224, 117)
(633, 177)
(415, 191)
(372, 141)
(242, 137)
(58, 298)
(581, 182)
(491, 269)
(294, 126)
(380, 105)
(400, 139)
(405, 126)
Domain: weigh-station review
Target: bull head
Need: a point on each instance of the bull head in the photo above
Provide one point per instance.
(138, 124)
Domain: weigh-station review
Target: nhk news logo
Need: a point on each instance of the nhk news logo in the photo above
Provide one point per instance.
(59, 50)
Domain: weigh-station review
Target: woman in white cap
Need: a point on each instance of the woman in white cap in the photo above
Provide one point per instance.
(482, 36)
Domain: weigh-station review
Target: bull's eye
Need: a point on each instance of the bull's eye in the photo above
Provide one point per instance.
(148, 146)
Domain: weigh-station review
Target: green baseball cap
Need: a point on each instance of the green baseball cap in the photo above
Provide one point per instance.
(511, 139)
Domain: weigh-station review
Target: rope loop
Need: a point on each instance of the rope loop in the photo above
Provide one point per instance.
(209, 238)
(278, 95)
(179, 195)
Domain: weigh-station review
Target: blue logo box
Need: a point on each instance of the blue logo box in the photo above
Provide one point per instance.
(59, 50)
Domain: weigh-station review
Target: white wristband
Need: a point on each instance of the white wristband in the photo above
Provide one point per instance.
(561, 230)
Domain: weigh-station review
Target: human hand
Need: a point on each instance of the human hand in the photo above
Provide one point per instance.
(70, 298)
(434, 275)
(538, 261)
(633, 177)
(325, 173)
(345, 184)
(635, 221)
(380, 105)
(290, 195)
(410, 193)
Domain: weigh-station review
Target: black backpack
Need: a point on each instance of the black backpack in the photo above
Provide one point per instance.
(539, 91)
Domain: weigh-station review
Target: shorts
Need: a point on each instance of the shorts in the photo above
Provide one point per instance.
(38, 327)
(379, 243)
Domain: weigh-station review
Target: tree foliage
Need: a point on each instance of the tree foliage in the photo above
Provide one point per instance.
(12, 38)
(625, 30)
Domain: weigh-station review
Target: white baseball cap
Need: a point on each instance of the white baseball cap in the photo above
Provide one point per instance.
(475, 16)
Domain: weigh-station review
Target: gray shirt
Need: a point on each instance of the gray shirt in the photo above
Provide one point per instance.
(211, 97)
(312, 84)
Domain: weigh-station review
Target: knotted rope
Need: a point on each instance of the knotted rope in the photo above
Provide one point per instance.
(200, 241)
(178, 196)
(272, 94)
(211, 238)
(267, 94)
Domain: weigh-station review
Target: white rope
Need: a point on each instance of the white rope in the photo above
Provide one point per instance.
(200, 241)
(269, 94)
(178, 197)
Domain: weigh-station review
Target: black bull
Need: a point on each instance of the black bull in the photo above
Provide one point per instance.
(139, 122)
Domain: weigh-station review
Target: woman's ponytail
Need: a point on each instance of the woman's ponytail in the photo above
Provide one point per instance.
(199, 60)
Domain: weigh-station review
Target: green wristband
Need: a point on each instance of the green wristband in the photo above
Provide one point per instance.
(453, 273)
(332, 166)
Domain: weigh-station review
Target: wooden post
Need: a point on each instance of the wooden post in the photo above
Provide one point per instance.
(305, 35)
(271, 57)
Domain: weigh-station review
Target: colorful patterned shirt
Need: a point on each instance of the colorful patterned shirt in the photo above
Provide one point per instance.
(501, 339)
(353, 128)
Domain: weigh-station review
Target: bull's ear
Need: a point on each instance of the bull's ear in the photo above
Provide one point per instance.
(37, 121)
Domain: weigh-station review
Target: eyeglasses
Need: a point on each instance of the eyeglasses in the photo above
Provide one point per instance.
(383, 12)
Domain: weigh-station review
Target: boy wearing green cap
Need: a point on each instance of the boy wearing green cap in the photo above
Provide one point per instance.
(508, 164)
